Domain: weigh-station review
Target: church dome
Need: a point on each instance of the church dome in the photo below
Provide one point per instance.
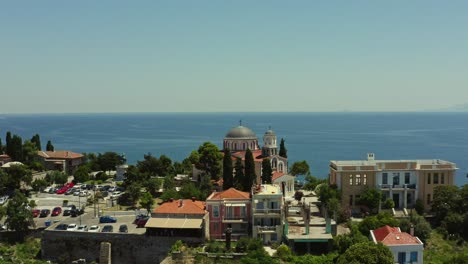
(241, 132)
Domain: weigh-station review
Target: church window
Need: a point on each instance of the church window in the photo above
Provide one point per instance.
(364, 179)
(358, 179)
(350, 179)
(281, 167)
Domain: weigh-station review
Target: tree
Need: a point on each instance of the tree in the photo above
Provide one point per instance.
(169, 194)
(283, 152)
(284, 253)
(57, 177)
(209, 160)
(153, 185)
(341, 243)
(49, 146)
(327, 192)
(366, 253)
(447, 199)
(1, 146)
(38, 184)
(8, 146)
(249, 170)
(228, 179)
(149, 165)
(189, 190)
(19, 214)
(29, 152)
(147, 201)
(205, 186)
(16, 146)
(300, 168)
(422, 229)
(109, 160)
(375, 221)
(389, 203)
(419, 207)
(134, 193)
(82, 174)
(371, 198)
(37, 141)
(239, 174)
(16, 174)
(133, 175)
(312, 182)
(165, 166)
(267, 172)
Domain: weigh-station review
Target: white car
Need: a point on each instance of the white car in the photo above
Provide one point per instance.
(72, 227)
(84, 193)
(116, 194)
(94, 228)
(82, 228)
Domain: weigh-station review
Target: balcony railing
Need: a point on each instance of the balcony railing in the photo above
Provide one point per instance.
(267, 211)
(233, 218)
(397, 186)
(267, 228)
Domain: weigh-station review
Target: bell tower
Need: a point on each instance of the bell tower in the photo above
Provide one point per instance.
(269, 143)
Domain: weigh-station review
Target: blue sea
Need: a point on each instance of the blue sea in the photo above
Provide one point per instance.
(314, 137)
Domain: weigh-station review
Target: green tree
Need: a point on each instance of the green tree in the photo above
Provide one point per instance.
(109, 160)
(16, 148)
(39, 184)
(326, 192)
(371, 198)
(205, 186)
(239, 174)
(375, 221)
(1, 147)
(82, 174)
(249, 170)
(133, 175)
(36, 166)
(189, 190)
(419, 207)
(284, 253)
(49, 146)
(447, 199)
(16, 174)
(312, 182)
(165, 166)
(267, 172)
(29, 152)
(37, 141)
(422, 228)
(341, 243)
(283, 152)
(168, 194)
(56, 177)
(19, 217)
(153, 185)
(8, 146)
(228, 179)
(149, 165)
(209, 160)
(366, 253)
(147, 201)
(389, 203)
(169, 182)
(134, 193)
(300, 168)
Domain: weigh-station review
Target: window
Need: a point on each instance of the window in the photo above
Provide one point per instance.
(215, 211)
(350, 179)
(243, 211)
(407, 177)
(401, 257)
(436, 178)
(216, 227)
(384, 178)
(428, 178)
(351, 200)
(428, 198)
(358, 179)
(364, 179)
(408, 199)
(442, 178)
(414, 256)
(396, 178)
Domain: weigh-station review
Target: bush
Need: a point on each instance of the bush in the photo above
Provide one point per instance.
(178, 245)
(284, 253)
(389, 204)
(419, 207)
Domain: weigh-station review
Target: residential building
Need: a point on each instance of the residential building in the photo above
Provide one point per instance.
(180, 218)
(267, 213)
(404, 181)
(4, 158)
(405, 247)
(286, 182)
(62, 160)
(229, 208)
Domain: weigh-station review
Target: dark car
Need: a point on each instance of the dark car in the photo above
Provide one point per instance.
(66, 212)
(107, 229)
(107, 219)
(76, 212)
(142, 222)
(44, 212)
(61, 227)
(56, 211)
(123, 228)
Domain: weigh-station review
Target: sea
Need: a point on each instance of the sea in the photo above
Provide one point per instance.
(314, 137)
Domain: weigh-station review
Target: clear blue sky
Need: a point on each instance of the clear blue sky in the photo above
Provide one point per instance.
(222, 56)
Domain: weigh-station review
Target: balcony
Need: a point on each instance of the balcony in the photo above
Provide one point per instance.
(267, 211)
(267, 229)
(397, 186)
(235, 219)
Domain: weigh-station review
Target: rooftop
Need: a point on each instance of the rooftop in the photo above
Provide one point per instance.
(182, 206)
(59, 154)
(267, 189)
(257, 154)
(241, 132)
(393, 236)
(230, 193)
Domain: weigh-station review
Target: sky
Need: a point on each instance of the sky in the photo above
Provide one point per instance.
(232, 56)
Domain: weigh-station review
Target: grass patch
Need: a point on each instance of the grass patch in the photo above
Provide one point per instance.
(26, 252)
(438, 250)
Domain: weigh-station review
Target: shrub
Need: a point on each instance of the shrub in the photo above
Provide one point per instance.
(284, 253)
(419, 207)
(389, 204)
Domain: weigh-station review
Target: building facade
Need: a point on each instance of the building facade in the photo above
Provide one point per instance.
(229, 209)
(267, 213)
(404, 181)
(62, 160)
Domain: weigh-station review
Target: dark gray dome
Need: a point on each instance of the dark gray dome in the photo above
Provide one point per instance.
(241, 132)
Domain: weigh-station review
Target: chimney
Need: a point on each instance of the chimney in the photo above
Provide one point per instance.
(181, 202)
(370, 156)
(171, 200)
(412, 230)
(193, 198)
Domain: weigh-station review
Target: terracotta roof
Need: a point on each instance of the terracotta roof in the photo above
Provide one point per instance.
(276, 175)
(257, 154)
(60, 154)
(188, 207)
(230, 193)
(393, 236)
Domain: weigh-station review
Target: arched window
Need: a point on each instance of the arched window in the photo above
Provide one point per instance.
(364, 179)
(274, 163)
(280, 165)
(350, 179)
(358, 179)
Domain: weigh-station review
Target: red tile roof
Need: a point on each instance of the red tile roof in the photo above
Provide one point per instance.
(187, 206)
(276, 175)
(257, 154)
(60, 154)
(393, 236)
(230, 193)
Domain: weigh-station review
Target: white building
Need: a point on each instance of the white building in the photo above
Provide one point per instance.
(267, 213)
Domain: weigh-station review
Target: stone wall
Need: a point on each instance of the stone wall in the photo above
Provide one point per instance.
(66, 246)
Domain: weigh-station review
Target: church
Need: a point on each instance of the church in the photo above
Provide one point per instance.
(241, 138)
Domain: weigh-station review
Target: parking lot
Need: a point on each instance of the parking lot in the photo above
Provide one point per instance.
(89, 217)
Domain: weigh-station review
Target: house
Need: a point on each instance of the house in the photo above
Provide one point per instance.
(405, 247)
(403, 181)
(229, 208)
(4, 158)
(62, 160)
(181, 218)
(267, 213)
(286, 182)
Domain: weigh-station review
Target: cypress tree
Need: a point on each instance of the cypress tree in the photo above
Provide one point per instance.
(49, 146)
(16, 145)
(283, 151)
(266, 171)
(37, 141)
(227, 170)
(239, 175)
(1, 146)
(8, 148)
(250, 176)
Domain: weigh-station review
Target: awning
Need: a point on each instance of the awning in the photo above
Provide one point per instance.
(166, 222)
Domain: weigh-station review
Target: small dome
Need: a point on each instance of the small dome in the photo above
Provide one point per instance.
(241, 132)
(270, 132)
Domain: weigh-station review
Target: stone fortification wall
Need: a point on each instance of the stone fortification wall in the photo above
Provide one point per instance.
(64, 247)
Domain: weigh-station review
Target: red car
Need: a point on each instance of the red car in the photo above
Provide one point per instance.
(56, 211)
(36, 212)
(62, 190)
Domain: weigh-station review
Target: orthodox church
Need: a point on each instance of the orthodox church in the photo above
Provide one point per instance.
(241, 138)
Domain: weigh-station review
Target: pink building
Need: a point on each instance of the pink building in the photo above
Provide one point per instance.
(229, 208)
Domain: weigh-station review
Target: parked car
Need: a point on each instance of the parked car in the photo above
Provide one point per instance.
(47, 189)
(56, 211)
(72, 227)
(107, 219)
(61, 227)
(62, 190)
(35, 212)
(107, 229)
(76, 192)
(94, 228)
(76, 212)
(123, 228)
(142, 222)
(116, 194)
(53, 190)
(84, 193)
(44, 213)
(67, 212)
(82, 228)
